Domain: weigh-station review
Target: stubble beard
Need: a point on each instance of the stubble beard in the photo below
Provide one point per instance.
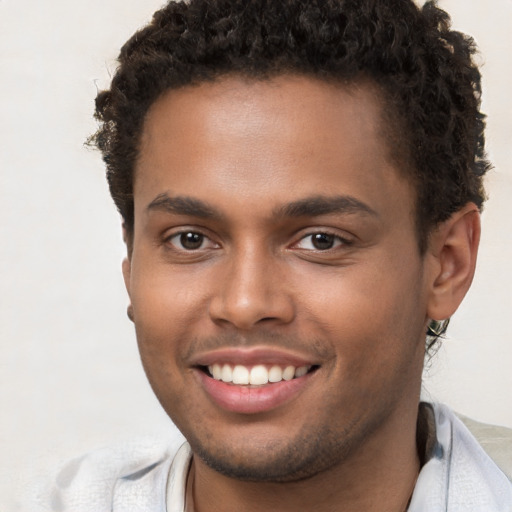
(310, 454)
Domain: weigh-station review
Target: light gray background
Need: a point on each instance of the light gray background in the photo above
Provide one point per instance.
(70, 379)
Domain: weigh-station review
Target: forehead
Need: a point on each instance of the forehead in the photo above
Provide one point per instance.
(243, 140)
(235, 107)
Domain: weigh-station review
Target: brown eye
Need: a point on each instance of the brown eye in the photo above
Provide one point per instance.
(322, 241)
(191, 241)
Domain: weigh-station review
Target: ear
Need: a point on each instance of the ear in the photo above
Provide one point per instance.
(453, 248)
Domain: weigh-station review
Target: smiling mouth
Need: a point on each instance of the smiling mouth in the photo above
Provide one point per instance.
(257, 375)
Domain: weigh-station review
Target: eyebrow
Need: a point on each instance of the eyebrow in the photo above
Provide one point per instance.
(322, 205)
(183, 205)
(308, 207)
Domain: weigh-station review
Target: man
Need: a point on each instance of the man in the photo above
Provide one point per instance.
(300, 185)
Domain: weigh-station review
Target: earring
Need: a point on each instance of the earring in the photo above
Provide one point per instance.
(437, 328)
(129, 312)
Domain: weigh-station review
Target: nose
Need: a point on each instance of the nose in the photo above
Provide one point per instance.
(252, 291)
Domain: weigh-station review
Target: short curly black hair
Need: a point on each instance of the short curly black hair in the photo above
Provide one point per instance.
(426, 72)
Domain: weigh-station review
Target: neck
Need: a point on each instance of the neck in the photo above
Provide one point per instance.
(380, 477)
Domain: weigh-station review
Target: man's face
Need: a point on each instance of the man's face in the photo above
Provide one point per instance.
(274, 234)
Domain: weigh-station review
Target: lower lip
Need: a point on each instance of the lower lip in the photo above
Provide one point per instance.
(249, 399)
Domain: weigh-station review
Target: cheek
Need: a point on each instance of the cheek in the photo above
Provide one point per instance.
(162, 314)
(369, 310)
(165, 298)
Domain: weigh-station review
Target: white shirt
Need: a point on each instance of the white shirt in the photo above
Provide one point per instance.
(458, 477)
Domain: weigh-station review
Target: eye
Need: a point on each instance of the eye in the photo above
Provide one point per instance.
(321, 242)
(190, 241)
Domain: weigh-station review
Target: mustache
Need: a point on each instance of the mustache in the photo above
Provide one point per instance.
(316, 347)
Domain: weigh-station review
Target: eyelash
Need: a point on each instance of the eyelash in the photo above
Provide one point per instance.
(181, 234)
(337, 241)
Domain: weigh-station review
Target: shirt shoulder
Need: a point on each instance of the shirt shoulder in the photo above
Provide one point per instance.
(129, 477)
(459, 476)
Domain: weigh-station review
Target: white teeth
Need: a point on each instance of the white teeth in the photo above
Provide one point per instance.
(289, 373)
(216, 371)
(275, 374)
(300, 372)
(240, 375)
(226, 373)
(258, 375)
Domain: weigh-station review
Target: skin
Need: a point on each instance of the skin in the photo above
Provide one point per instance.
(358, 310)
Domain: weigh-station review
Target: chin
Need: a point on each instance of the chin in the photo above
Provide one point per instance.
(278, 461)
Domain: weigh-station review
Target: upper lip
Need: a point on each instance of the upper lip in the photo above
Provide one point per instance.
(251, 356)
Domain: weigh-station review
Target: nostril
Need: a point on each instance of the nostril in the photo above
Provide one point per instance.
(245, 307)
